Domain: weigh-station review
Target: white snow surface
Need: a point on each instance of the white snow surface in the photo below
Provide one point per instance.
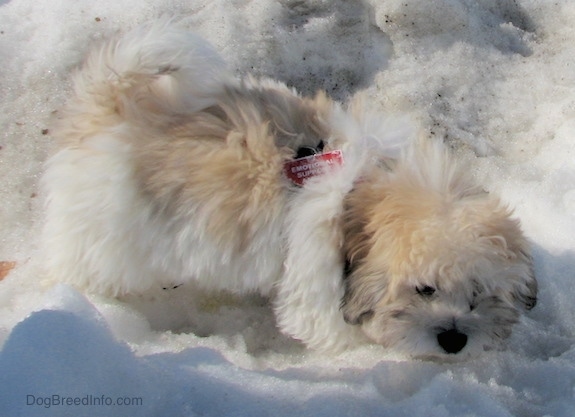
(495, 79)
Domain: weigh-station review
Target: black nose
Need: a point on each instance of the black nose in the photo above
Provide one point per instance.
(452, 341)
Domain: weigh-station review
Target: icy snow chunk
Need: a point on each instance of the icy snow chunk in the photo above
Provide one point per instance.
(66, 298)
(55, 354)
(500, 23)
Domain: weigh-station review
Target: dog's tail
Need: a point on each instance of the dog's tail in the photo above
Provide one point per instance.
(154, 71)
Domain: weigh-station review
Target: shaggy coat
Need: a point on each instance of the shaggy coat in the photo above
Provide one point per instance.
(170, 171)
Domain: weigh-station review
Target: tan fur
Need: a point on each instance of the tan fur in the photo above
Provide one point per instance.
(401, 228)
(230, 158)
(406, 226)
(171, 172)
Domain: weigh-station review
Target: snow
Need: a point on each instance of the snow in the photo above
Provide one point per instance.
(493, 78)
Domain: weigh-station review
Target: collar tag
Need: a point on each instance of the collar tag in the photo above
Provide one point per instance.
(301, 169)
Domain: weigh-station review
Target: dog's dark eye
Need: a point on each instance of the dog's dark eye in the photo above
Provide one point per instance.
(425, 291)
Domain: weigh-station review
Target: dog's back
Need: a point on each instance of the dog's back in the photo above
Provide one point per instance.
(166, 171)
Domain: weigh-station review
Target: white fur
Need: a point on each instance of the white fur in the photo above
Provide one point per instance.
(103, 233)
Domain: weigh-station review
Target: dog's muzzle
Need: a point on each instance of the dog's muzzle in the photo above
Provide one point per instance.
(452, 341)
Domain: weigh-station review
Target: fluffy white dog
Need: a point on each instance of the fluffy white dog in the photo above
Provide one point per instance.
(170, 170)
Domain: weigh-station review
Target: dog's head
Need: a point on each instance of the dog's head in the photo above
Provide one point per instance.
(435, 266)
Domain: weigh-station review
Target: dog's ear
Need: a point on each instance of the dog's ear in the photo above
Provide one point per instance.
(361, 295)
(504, 237)
(525, 292)
(365, 280)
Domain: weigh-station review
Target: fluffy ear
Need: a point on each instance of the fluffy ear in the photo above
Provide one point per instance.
(511, 244)
(365, 275)
(506, 237)
(525, 292)
(362, 292)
